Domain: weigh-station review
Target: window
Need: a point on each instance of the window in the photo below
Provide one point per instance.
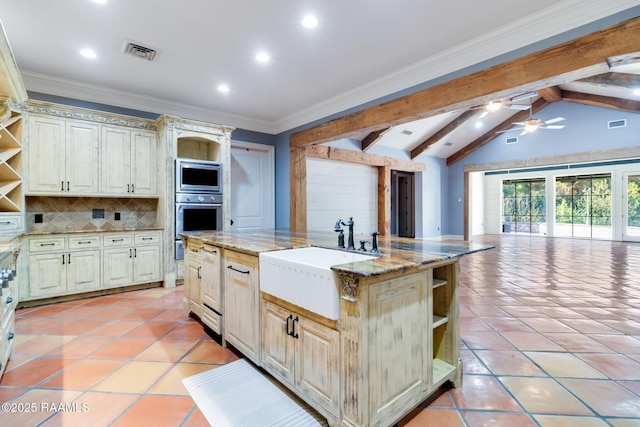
(524, 206)
(583, 206)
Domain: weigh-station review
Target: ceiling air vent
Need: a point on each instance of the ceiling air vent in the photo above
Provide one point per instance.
(511, 140)
(448, 144)
(622, 123)
(407, 132)
(136, 49)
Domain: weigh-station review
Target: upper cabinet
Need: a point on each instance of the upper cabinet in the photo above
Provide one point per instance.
(83, 156)
(129, 162)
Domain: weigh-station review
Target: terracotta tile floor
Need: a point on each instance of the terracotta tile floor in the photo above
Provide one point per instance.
(550, 337)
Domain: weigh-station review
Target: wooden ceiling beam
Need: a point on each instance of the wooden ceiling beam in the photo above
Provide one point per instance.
(579, 58)
(601, 101)
(442, 133)
(551, 94)
(372, 138)
(490, 135)
(623, 80)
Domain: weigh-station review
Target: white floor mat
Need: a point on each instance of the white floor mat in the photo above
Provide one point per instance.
(239, 395)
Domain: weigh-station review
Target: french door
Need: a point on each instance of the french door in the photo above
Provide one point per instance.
(631, 207)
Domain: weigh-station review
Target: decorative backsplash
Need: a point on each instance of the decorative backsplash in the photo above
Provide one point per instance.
(60, 214)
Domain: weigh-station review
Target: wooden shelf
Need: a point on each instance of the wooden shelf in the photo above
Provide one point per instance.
(438, 282)
(11, 197)
(439, 321)
(441, 370)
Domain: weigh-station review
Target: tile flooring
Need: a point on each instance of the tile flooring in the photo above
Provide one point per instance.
(550, 337)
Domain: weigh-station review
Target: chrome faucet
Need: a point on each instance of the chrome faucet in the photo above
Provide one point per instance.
(350, 244)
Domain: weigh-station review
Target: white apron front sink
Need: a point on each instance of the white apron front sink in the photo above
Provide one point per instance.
(304, 277)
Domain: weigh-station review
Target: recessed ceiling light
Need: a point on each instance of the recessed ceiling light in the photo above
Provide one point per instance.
(262, 57)
(223, 88)
(100, 1)
(88, 53)
(309, 21)
(478, 125)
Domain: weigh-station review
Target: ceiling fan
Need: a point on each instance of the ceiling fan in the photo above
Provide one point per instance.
(496, 105)
(531, 124)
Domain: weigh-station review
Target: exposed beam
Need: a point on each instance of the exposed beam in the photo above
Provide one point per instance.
(623, 80)
(372, 138)
(569, 61)
(601, 101)
(298, 189)
(450, 127)
(551, 94)
(629, 58)
(384, 200)
(342, 155)
(490, 135)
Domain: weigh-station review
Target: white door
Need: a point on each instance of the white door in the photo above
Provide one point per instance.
(631, 207)
(252, 185)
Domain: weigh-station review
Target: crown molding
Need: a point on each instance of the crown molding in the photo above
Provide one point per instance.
(541, 25)
(50, 85)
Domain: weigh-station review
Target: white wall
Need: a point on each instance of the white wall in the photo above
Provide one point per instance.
(342, 190)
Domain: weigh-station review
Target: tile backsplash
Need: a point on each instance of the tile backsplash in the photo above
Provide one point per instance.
(60, 214)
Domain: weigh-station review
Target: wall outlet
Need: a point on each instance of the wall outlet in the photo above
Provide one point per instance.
(98, 214)
(116, 216)
(38, 219)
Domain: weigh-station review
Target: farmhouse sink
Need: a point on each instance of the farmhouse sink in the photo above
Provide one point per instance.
(304, 277)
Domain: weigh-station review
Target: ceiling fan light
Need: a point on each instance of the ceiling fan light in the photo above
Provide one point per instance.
(494, 106)
(531, 125)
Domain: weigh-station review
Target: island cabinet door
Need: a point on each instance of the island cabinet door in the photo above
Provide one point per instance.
(211, 289)
(317, 357)
(241, 313)
(277, 345)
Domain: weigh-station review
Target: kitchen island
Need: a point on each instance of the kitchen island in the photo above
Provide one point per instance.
(393, 344)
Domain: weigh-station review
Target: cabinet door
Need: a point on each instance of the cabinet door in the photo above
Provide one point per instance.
(211, 289)
(192, 284)
(146, 264)
(82, 146)
(241, 303)
(46, 155)
(118, 266)
(144, 163)
(47, 275)
(115, 148)
(83, 270)
(277, 347)
(317, 371)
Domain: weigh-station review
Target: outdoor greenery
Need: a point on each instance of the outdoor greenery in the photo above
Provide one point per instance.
(633, 201)
(584, 200)
(523, 205)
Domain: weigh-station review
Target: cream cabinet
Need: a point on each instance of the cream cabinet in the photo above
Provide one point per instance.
(241, 313)
(129, 162)
(64, 264)
(62, 156)
(131, 258)
(211, 288)
(302, 353)
(193, 279)
(58, 266)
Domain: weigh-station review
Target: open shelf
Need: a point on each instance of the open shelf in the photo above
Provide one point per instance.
(11, 197)
(438, 282)
(439, 321)
(441, 370)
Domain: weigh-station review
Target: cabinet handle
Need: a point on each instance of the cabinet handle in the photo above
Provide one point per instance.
(68, 258)
(84, 242)
(62, 259)
(61, 185)
(289, 319)
(5, 222)
(293, 328)
(67, 185)
(47, 244)
(9, 300)
(213, 251)
(128, 188)
(133, 188)
(195, 251)
(230, 267)
(130, 253)
(135, 252)
(10, 336)
(117, 240)
(199, 276)
(147, 238)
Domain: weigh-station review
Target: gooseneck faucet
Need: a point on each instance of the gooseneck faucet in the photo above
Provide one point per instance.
(338, 229)
(350, 244)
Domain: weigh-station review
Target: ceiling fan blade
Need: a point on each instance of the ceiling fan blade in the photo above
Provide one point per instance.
(554, 127)
(555, 120)
(517, 107)
(518, 123)
(483, 115)
(525, 95)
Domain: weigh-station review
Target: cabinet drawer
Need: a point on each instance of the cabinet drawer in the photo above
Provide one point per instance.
(118, 240)
(10, 223)
(82, 242)
(46, 244)
(211, 319)
(7, 304)
(147, 238)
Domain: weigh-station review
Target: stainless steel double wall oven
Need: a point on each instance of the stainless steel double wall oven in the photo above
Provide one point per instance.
(198, 198)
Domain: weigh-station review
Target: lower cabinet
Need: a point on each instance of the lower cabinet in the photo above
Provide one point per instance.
(192, 279)
(241, 305)
(303, 354)
(59, 265)
(211, 288)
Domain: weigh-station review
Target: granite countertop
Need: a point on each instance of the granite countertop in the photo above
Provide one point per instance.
(123, 230)
(396, 253)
